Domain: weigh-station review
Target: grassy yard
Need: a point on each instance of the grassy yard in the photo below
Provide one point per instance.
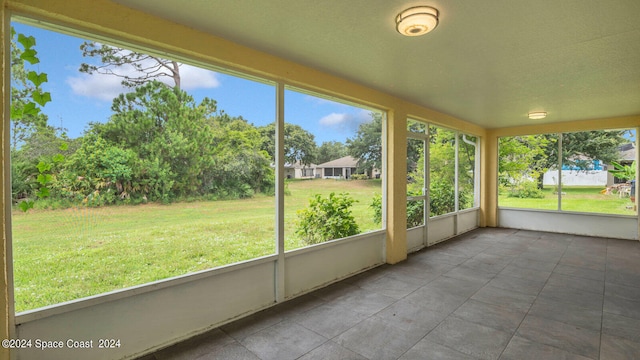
(581, 199)
(61, 255)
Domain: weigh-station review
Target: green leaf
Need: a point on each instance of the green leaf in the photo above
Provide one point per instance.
(43, 193)
(58, 158)
(16, 112)
(36, 78)
(26, 205)
(44, 179)
(41, 98)
(43, 166)
(64, 146)
(30, 56)
(30, 108)
(27, 41)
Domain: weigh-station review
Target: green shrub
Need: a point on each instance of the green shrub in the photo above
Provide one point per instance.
(526, 190)
(359, 177)
(376, 205)
(415, 211)
(442, 197)
(442, 201)
(327, 219)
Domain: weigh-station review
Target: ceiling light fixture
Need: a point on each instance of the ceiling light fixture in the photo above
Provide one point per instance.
(537, 115)
(417, 20)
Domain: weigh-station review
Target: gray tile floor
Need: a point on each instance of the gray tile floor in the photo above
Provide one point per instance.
(488, 294)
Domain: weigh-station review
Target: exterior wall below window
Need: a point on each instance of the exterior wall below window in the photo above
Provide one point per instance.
(608, 226)
(313, 267)
(441, 228)
(153, 316)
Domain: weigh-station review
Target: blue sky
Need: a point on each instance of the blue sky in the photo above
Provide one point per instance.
(79, 99)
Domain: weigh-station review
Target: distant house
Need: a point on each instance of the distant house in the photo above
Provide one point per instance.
(627, 154)
(591, 172)
(627, 157)
(341, 168)
(300, 171)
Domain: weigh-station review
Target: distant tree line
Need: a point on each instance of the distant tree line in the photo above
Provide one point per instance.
(159, 144)
(523, 160)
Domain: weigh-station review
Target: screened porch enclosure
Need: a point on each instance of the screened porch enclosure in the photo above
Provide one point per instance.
(447, 223)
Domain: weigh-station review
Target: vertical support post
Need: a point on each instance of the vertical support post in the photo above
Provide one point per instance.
(396, 243)
(456, 189)
(6, 293)
(637, 185)
(489, 185)
(477, 181)
(427, 183)
(559, 171)
(279, 167)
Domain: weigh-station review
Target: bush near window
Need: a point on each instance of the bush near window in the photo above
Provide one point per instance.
(415, 214)
(526, 190)
(415, 211)
(376, 205)
(442, 198)
(327, 218)
(359, 177)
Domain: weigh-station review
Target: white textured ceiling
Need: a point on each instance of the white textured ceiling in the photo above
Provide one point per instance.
(488, 62)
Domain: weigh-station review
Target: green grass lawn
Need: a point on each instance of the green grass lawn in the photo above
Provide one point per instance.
(62, 255)
(581, 199)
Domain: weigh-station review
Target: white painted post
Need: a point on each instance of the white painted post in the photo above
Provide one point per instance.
(279, 167)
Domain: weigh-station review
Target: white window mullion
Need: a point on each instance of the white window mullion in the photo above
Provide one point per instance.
(279, 166)
(560, 172)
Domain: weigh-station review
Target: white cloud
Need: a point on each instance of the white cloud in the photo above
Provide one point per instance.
(107, 87)
(334, 119)
(196, 78)
(98, 86)
(347, 122)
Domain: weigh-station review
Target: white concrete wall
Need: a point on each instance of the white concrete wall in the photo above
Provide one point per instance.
(468, 220)
(441, 228)
(609, 226)
(577, 178)
(311, 268)
(416, 238)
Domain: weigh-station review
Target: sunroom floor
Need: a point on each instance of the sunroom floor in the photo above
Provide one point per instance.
(488, 294)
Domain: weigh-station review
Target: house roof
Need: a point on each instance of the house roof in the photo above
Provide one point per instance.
(344, 162)
(488, 62)
(298, 165)
(628, 152)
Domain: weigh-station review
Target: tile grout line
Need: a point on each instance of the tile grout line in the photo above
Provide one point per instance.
(534, 301)
(454, 310)
(446, 317)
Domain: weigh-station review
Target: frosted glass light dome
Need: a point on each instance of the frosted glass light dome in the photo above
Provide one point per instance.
(417, 20)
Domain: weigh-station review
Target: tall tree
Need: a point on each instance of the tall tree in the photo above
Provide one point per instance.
(299, 144)
(331, 150)
(366, 146)
(161, 145)
(593, 145)
(522, 157)
(118, 62)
